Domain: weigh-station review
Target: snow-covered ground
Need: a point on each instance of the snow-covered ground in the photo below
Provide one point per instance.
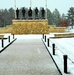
(27, 56)
(64, 46)
(6, 41)
(29, 36)
(70, 29)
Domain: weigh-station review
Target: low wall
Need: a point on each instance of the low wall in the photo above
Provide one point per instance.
(30, 27)
(53, 28)
(64, 35)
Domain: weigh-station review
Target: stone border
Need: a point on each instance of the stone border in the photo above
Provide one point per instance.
(52, 58)
(64, 35)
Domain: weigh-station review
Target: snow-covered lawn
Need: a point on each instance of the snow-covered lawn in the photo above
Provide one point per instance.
(64, 46)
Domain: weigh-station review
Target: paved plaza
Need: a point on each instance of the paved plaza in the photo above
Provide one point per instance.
(27, 57)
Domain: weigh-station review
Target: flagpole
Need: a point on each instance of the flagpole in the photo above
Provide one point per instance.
(30, 3)
(46, 9)
(15, 8)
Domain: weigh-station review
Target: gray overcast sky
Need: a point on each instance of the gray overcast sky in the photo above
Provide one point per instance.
(62, 5)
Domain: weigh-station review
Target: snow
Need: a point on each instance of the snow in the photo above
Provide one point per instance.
(70, 29)
(6, 42)
(28, 36)
(64, 46)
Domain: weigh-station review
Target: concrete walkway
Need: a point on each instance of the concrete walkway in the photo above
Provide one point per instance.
(27, 57)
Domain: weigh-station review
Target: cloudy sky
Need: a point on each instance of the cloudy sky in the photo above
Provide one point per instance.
(62, 5)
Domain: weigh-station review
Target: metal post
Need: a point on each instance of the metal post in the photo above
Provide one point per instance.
(65, 63)
(2, 43)
(45, 38)
(8, 38)
(53, 48)
(13, 36)
(48, 42)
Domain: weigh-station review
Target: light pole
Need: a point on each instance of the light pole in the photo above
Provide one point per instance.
(15, 8)
(46, 9)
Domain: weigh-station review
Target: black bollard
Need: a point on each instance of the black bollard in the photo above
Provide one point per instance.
(8, 38)
(45, 38)
(13, 36)
(53, 48)
(48, 42)
(2, 43)
(65, 63)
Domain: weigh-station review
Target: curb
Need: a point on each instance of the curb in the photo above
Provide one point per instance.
(52, 59)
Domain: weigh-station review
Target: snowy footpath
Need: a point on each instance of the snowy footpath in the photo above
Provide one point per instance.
(63, 46)
(27, 56)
